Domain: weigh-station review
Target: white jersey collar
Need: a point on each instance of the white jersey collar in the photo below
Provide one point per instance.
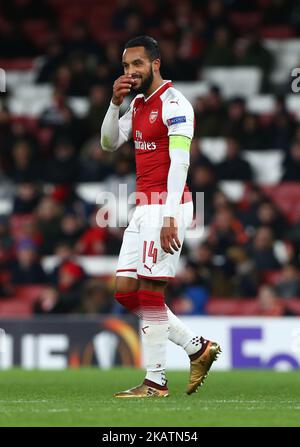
(155, 91)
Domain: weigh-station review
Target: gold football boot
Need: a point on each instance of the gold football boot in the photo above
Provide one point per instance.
(201, 363)
(146, 389)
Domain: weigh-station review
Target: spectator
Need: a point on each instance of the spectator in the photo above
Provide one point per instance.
(193, 294)
(219, 52)
(268, 215)
(93, 240)
(51, 61)
(24, 167)
(209, 114)
(99, 101)
(251, 136)
(95, 298)
(95, 164)
(226, 230)
(291, 163)
(245, 278)
(48, 214)
(70, 229)
(233, 122)
(262, 251)
(202, 178)
(27, 269)
(62, 167)
(234, 167)
(64, 254)
(289, 284)
(268, 302)
(66, 297)
(214, 272)
(27, 198)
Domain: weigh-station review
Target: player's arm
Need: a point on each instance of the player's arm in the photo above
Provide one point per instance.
(179, 150)
(178, 116)
(115, 131)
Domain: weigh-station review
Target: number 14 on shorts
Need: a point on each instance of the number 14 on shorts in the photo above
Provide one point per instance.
(152, 252)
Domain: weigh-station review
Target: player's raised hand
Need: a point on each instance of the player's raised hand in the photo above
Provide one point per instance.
(121, 88)
(169, 235)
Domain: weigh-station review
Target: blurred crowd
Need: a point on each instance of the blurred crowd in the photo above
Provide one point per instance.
(42, 161)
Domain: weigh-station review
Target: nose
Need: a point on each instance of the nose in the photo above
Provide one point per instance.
(130, 70)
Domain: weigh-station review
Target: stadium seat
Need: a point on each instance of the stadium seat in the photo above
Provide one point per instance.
(287, 56)
(261, 104)
(6, 206)
(293, 102)
(79, 106)
(14, 78)
(243, 21)
(14, 307)
(231, 306)
(192, 89)
(89, 191)
(233, 190)
(30, 100)
(277, 32)
(287, 197)
(259, 160)
(92, 265)
(213, 148)
(239, 81)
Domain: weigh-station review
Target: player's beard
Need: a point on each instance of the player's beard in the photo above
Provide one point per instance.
(145, 84)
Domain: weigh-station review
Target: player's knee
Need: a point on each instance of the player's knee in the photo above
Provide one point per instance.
(153, 285)
(126, 285)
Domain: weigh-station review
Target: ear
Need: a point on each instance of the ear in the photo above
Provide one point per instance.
(156, 65)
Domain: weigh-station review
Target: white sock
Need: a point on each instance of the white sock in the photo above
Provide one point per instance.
(154, 339)
(181, 335)
(157, 377)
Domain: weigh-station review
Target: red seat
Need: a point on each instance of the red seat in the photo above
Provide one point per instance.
(231, 306)
(287, 197)
(29, 293)
(271, 276)
(245, 20)
(244, 307)
(17, 64)
(293, 305)
(277, 32)
(30, 123)
(14, 307)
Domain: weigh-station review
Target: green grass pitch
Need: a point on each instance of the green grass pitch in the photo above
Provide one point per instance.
(83, 397)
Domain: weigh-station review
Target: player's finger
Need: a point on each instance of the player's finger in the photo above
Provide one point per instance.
(124, 83)
(177, 241)
(124, 78)
(169, 245)
(164, 244)
(174, 246)
(122, 92)
(122, 87)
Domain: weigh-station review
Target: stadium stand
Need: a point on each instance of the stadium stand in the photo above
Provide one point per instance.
(60, 62)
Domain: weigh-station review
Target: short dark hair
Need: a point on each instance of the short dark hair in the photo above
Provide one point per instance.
(150, 45)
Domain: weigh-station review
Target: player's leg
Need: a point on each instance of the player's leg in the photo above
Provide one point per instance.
(155, 331)
(155, 264)
(179, 333)
(127, 286)
(126, 294)
(126, 274)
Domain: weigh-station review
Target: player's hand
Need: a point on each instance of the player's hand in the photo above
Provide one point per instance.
(169, 235)
(121, 88)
